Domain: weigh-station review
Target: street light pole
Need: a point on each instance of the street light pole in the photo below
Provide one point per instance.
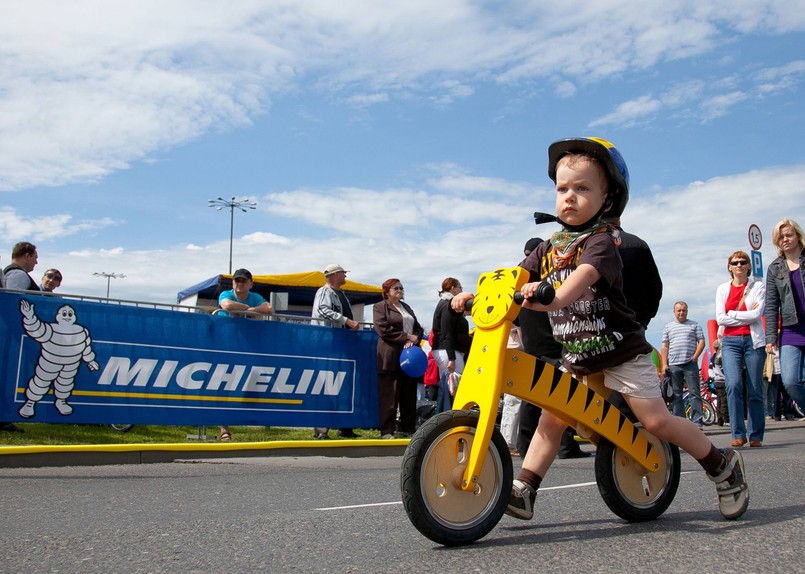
(109, 277)
(243, 204)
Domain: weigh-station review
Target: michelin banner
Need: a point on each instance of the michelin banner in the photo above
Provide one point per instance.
(75, 361)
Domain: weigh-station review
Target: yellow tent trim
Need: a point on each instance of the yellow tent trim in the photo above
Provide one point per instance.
(309, 279)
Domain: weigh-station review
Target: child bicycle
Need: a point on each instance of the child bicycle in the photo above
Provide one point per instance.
(457, 471)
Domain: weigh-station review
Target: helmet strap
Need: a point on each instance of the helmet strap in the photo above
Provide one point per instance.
(589, 222)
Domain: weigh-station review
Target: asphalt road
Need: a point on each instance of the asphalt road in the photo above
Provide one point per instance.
(325, 514)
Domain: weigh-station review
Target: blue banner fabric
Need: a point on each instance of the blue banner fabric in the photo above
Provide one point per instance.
(75, 361)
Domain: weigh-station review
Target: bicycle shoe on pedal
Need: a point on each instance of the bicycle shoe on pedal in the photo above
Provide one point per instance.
(521, 501)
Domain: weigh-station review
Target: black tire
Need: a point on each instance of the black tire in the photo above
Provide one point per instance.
(628, 490)
(122, 428)
(432, 466)
(709, 415)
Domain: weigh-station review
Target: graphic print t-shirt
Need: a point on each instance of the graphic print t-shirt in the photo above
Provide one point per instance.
(598, 331)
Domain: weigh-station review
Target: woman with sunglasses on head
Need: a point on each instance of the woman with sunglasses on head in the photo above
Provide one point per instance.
(785, 307)
(398, 329)
(739, 311)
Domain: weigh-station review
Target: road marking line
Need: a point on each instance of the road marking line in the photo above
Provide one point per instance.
(562, 487)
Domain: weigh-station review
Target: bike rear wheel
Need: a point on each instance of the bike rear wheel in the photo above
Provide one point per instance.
(432, 470)
(628, 489)
(709, 415)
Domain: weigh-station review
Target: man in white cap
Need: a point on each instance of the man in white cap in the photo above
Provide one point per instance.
(330, 305)
(331, 308)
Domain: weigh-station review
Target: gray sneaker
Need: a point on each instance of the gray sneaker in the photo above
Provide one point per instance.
(521, 501)
(733, 492)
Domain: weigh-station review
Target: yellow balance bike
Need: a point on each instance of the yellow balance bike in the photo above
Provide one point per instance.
(457, 471)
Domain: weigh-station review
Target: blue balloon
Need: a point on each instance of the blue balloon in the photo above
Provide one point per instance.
(413, 361)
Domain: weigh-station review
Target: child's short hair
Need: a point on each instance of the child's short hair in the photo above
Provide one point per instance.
(573, 159)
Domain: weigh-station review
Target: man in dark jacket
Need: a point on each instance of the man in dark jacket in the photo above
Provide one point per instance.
(642, 288)
(16, 276)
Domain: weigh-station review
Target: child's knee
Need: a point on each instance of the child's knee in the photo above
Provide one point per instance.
(551, 424)
(659, 425)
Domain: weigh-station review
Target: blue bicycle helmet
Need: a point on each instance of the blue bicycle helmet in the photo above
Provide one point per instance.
(608, 156)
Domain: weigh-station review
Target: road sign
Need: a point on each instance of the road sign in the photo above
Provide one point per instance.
(755, 237)
(757, 264)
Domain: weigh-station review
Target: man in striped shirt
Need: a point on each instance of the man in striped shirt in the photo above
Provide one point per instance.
(682, 343)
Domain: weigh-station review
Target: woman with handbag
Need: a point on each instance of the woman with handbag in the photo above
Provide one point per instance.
(739, 309)
(451, 341)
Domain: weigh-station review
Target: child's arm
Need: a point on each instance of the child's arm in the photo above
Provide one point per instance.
(571, 289)
(584, 276)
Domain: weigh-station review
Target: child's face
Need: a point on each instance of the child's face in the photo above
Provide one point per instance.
(579, 190)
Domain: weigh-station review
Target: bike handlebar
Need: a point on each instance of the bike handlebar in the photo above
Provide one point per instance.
(544, 296)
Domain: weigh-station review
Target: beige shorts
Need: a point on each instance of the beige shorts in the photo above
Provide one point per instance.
(637, 378)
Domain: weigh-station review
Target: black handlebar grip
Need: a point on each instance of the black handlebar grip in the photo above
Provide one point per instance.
(545, 295)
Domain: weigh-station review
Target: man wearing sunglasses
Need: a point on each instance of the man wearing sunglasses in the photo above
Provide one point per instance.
(51, 280)
(240, 301)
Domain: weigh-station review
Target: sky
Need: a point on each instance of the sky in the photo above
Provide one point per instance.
(399, 139)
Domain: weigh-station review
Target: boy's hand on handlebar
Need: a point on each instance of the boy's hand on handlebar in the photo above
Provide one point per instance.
(460, 301)
(529, 290)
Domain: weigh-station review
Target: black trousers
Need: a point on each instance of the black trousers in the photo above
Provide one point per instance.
(393, 390)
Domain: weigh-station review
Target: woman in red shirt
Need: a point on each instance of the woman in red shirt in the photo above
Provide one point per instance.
(739, 308)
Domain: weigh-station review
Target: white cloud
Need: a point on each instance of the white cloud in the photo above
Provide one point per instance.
(14, 227)
(89, 88)
(630, 113)
(704, 99)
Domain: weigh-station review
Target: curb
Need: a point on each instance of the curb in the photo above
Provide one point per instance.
(34, 456)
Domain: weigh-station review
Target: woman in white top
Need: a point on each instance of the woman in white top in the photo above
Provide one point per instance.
(739, 308)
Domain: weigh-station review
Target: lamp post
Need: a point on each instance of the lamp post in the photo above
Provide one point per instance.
(243, 204)
(109, 277)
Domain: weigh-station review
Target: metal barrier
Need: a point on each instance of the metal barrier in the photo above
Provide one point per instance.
(119, 302)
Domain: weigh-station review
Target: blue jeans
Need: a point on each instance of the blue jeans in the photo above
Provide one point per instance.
(687, 373)
(792, 369)
(736, 352)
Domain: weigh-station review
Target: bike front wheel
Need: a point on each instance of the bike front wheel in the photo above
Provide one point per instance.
(628, 489)
(432, 470)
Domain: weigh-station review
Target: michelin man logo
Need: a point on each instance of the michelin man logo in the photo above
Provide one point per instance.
(64, 344)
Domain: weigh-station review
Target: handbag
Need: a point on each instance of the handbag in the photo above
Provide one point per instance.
(453, 380)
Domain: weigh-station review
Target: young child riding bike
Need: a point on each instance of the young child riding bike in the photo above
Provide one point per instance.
(598, 332)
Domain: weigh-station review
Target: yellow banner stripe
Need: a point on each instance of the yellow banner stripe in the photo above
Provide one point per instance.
(180, 397)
